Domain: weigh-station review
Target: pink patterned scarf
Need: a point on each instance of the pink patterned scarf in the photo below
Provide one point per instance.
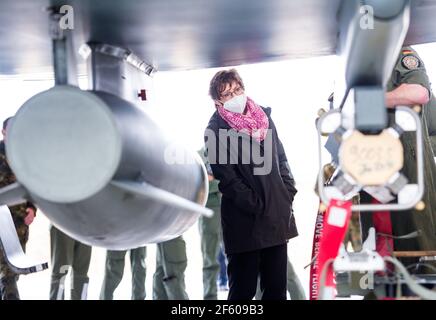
(254, 122)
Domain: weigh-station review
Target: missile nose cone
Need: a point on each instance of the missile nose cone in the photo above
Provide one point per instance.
(63, 145)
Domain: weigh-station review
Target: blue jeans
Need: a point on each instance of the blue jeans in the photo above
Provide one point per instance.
(222, 277)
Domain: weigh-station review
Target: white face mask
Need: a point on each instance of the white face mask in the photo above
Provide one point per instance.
(236, 104)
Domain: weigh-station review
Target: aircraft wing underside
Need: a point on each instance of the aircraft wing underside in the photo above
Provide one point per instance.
(187, 34)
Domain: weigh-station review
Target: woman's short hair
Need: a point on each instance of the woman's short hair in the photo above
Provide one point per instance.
(221, 79)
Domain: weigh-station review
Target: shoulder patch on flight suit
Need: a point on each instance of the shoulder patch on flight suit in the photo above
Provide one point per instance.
(411, 62)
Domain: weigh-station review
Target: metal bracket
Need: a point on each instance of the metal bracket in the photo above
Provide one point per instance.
(366, 260)
(152, 192)
(64, 62)
(418, 189)
(118, 71)
(17, 260)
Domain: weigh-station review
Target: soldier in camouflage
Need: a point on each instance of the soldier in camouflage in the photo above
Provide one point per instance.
(22, 215)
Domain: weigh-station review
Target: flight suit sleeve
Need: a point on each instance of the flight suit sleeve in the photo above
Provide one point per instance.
(430, 115)
(410, 69)
(5, 172)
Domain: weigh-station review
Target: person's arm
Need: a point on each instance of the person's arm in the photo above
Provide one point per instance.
(231, 185)
(285, 171)
(30, 205)
(31, 213)
(411, 83)
(407, 94)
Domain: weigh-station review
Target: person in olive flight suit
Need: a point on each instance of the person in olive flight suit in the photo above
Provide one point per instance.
(67, 252)
(409, 86)
(169, 277)
(430, 116)
(210, 235)
(22, 215)
(114, 270)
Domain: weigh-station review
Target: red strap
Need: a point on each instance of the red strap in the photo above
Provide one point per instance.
(383, 224)
(335, 225)
(319, 225)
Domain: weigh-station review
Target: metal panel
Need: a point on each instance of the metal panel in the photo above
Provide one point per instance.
(174, 34)
(110, 70)
(188, 34)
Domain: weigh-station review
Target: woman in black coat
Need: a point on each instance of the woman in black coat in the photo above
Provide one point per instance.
(257, 188)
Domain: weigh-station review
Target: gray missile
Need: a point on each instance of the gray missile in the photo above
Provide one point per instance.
(101, 170)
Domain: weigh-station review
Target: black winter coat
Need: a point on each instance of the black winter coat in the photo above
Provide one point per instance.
(256, 210)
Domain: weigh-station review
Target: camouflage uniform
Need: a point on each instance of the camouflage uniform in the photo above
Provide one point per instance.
(8, 279)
